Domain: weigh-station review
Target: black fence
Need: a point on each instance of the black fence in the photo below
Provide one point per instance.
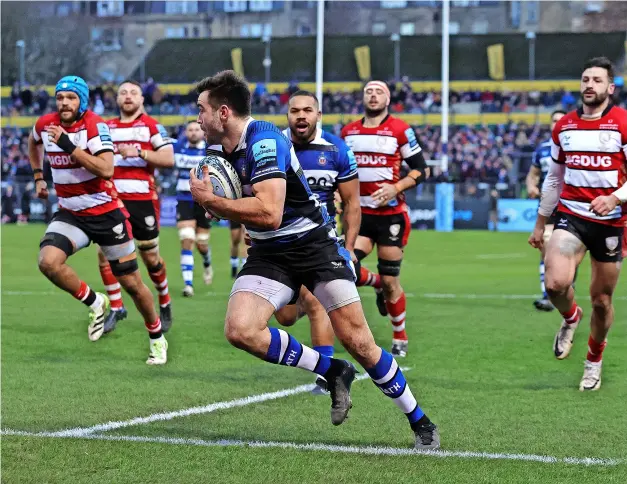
(557, 56)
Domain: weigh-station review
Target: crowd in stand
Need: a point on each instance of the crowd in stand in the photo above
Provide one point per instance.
(36, 101)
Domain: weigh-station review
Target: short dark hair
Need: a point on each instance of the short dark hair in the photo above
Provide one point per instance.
(131, 81)
(603, 63)
(302, 92)
(558, 111)
(229, 88)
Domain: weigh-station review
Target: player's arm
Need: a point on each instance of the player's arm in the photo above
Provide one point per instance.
(551, 190)
(348, 188)
(419, 172)
(36, 158)
(263, 210)
(532, 180)
(162, 155)
(349, 193)
(162, 158)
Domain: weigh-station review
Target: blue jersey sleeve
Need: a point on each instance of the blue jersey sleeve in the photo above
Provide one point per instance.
(347, 164)
(268, 156)
(535, 158)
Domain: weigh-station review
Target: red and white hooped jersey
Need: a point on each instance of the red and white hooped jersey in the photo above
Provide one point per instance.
(595, 154)
(79, 191)
(379, 152)
(133, 177)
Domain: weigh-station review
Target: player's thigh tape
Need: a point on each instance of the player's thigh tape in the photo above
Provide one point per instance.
(145, 245)
(336, 294)
(389, 267)
(187, 233)
(78, 238)
(59, 241)
(548, 231)
(123, 268)
(360, 254)
(274, 292)
(202, 237)
(114, 252)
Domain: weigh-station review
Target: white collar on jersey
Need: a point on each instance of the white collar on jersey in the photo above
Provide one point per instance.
(242, 140)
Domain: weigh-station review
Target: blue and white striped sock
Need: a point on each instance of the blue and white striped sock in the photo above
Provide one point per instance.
(286, 350)
(325, 350)
(390, 379)
(187, 266)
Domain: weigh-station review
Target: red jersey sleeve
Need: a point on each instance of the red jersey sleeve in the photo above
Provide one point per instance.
(37, 129)
(556, 148)
(158, 135)
(98, 135)
(407, 141)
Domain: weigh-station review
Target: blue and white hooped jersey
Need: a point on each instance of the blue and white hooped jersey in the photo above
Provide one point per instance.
(326, 162)
(186, 157)
(264, 153)
(542, 159)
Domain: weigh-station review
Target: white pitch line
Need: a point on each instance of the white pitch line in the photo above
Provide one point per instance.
(363, 294)
(213, 407)
(517, 255)
(346, 449)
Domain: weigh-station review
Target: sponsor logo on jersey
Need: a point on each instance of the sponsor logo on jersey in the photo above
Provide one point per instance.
(371, 159)
(264, 151)
(411, 137)
(593, 161)
(351, 159)
(60, 160)
(103, 132)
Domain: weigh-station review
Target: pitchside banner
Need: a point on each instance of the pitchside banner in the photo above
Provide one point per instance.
(517, 215)
(467, 214)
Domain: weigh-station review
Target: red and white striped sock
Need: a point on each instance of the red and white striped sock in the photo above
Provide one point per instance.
(87, 296)
(114, 290)
(396, 311)
(571, 316)
(154, 329)
(367, 278)
(160, 280)
(595, 350)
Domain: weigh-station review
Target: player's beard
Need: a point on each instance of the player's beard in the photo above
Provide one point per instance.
(72, 119)
(130, 112)
(597, 101)
(305, 137)
(373, 113)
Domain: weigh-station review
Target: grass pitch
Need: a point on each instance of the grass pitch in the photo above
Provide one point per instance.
(481, 367)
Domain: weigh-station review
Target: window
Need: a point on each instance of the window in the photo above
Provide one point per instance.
(260, 5)
(195, 31)
(107, 38)
(175, 32)
(393, 4)
(480, 27)
(110, 8)
(594, 7)
(465, 3)
(453, 28)
(182, 7)
(244, 30)
(235, 5)
(533, 12)
(408, 28)
(63, 9)
(514, 13)
(303, 29)
(378, 28)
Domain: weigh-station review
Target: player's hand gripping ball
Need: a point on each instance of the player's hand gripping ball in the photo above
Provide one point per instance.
(223, 178)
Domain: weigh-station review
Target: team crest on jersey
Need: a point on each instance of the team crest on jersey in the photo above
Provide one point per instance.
(322, 160)
(382, 140)
(611, 243)
(395, 229)
(119, 230)
(150, 220)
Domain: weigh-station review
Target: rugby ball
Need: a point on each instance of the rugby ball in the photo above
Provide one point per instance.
(223, 177)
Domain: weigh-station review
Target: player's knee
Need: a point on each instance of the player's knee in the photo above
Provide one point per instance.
(602, 303)
(555, 285)
(132, 283)
(47, 265)
(238, 335)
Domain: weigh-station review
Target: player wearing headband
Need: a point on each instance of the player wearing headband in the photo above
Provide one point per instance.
(381, 143)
